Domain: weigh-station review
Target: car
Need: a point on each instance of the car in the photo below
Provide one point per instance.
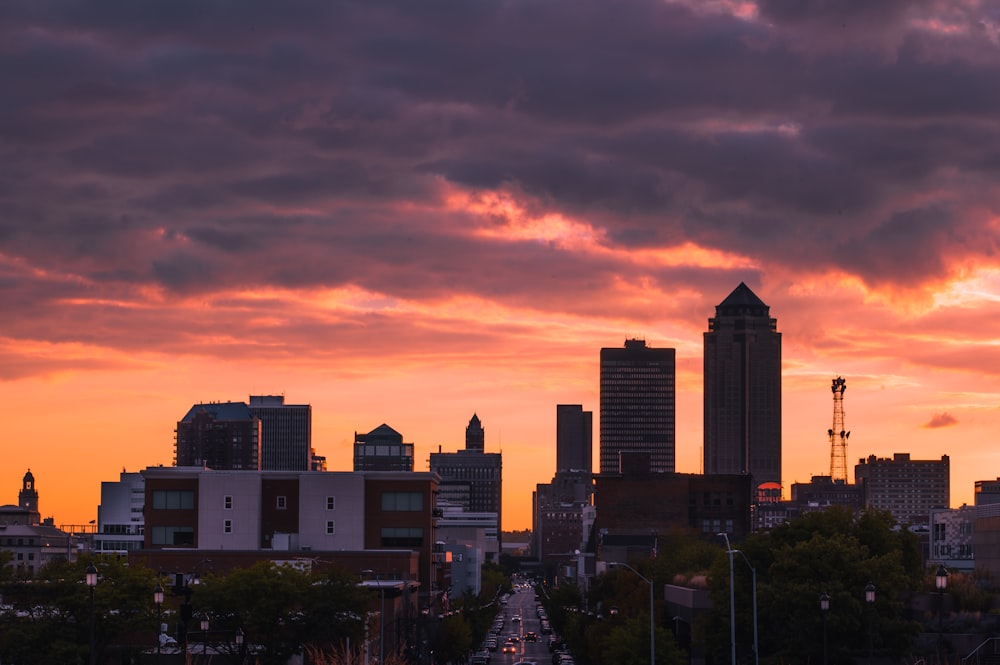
(531, 636)
(508, 647)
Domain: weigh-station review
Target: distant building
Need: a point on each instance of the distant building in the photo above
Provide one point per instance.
(822, 492)
(382, 449)
(637, 388)
(637, 502)
(742, 375)
(285, 433)
(951, 538)
(120, 521)
(26, 510)
(909, 489)
(987, 492)
(219, 435)
(31, 543)
(574, 438)
(473, 478)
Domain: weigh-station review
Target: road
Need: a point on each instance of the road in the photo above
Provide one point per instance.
(522, 604)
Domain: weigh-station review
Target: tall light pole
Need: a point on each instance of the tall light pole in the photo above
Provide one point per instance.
(158, 600)
(753, 586)
(732, 600)
(941, 582)
(239, 643)
(870, 601)
(652, 620)
(204, 636)
(824, 608)
(91, 583)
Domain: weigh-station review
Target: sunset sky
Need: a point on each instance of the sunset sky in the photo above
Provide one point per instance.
(409, 212)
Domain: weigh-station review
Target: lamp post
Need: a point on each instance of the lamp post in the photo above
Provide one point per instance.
(158, 599)
(941, 582)
(870, 600)
(239, 643)
(732, 600)
(204, 636)
(753, 586)
(824, 608)
(91, 583)
(652, 620)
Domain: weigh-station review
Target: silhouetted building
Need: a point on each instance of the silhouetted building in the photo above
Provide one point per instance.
(742, 377)
(574, 438)
(285, 433)
(472, 477)
(382, 449)
(822, 492)
(987, 492)
(637, 405)
(636, 503)
(909, 489)
(219, 436)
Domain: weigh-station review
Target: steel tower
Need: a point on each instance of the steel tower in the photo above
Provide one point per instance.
(838, 436)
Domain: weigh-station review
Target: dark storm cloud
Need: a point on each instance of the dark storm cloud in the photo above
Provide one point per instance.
(197, 146)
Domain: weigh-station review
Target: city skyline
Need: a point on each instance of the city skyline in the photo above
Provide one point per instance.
(411, 214)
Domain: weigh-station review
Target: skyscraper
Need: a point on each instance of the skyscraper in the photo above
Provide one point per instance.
(285, 433)
(637, 405)
(574, 438)
(743, 389)
(472, 477)
(219, 436)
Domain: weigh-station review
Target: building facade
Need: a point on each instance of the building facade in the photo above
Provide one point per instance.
(219, 435)
(909, 489)
(291, 515)
(120, 522)
(742, 375)
(472, 478)
(382, 449)
(637, 388)
(285, 433)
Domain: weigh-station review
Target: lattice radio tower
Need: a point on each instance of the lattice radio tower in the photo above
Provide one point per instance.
(838, 436)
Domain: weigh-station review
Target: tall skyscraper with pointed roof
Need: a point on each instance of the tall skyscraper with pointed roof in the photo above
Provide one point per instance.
(743, 389)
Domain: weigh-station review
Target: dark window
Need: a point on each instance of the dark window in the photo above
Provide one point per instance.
(402, 537)
(173, 500)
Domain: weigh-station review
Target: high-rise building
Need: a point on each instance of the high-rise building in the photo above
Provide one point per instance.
(909, 489)
(742, 378)
(221, 436)
(472, 477)
(285, 433)
(637, 405)
(382, 449)
(574, 438)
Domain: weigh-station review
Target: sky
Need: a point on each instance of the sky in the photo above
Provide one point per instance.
(412, 212)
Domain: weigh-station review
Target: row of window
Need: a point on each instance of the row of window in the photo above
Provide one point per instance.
(184, 535)
(184, 500)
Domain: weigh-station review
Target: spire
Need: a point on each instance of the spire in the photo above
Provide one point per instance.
(475, 436)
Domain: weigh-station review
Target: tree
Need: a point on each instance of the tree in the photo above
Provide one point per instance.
(830, 552)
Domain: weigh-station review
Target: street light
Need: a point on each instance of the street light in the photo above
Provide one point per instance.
(732, 600)
(158, 599)
(652, 621)
(824, 608)
(941, 582)
(204, 636)
(91, 583)
(239, 643)
(870, 600)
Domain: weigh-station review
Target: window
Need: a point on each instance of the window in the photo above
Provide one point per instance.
(402, 537)
(173, 500)
(331, 503)
(228, 502)
(402, 501)
(331, 527)
(173, 535)
(281, 503)
(227, 526)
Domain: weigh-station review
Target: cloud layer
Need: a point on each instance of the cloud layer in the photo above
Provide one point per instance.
(482, 181)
